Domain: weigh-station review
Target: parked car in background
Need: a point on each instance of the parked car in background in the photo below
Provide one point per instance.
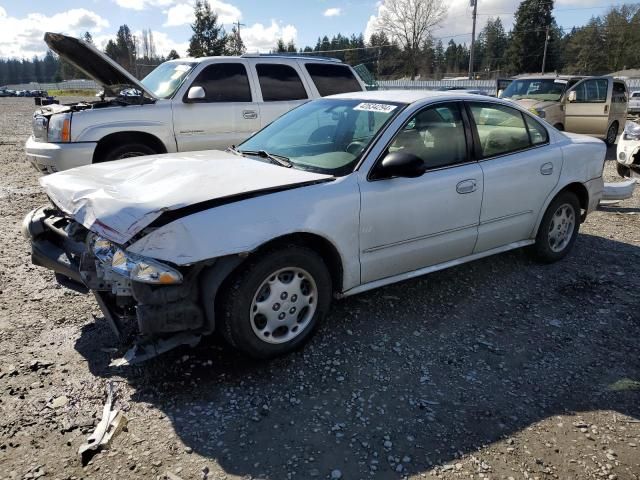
(5, 92)
(595, 106)
(186, 104)
(339, 196)
(628, 154)
(634, 103)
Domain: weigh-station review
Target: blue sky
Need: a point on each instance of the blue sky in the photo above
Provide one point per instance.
(22, 23)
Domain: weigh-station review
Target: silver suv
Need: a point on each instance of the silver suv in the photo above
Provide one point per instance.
(183, 105)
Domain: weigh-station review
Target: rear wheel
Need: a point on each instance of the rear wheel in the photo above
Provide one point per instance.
(559, 229)
(128, 150)
(612, 134)
(274, 303)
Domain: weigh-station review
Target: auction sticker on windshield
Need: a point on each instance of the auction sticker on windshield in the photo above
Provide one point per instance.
(375, 107)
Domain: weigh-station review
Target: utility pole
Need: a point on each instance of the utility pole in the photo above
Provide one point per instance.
(474, 4)
(544, 55)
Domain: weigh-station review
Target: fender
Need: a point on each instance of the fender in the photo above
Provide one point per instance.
(329, 210)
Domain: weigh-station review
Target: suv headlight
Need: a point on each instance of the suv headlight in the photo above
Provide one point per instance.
(632, 131)
(135, 267)
(59, 128)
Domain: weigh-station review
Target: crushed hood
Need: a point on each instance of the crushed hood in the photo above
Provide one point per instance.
(118, 199)
(94, 63)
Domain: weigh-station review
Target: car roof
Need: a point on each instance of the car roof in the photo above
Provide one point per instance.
(414, 96)
(264, 56)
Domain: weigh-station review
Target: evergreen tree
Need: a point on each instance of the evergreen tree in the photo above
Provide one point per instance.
(235, 45)
(173, 55)
(493, 43)
(526, 46)
(281, 47)
(208, 37)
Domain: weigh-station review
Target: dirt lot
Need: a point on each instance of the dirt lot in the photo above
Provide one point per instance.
(501, 368)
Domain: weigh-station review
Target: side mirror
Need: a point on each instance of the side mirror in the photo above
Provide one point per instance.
(196, 93)
(573, 96)
(400, 164)
(500, 92)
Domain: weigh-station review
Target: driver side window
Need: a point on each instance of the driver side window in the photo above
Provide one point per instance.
(435, 135)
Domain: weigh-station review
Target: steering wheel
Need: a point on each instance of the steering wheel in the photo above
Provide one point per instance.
(355, 147)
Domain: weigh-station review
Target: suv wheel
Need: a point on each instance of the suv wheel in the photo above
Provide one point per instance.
(559, 229)
(275, 302)
(128, 150)
(612, 134)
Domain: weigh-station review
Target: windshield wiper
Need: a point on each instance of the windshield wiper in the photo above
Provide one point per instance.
(277, 159)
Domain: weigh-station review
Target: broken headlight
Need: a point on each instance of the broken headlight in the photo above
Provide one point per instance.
(632, 131)
(135, 267)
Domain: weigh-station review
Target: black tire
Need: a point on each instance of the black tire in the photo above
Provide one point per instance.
(126, 151)
(240, 323)
(559, 126)
(546, 249)
(612, 134)
(622, 170)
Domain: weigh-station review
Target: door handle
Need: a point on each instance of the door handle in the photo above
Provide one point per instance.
(467, 186)
(250, 114)
(546, 168)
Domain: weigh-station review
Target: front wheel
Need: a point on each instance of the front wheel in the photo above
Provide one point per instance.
(275, 302)
(559, 229)
(128, 150)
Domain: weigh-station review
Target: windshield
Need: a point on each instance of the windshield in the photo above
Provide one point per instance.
(165, 79)
(326, 136)
(536, 89)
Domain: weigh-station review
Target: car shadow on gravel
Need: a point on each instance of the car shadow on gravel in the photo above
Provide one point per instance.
(412, 375)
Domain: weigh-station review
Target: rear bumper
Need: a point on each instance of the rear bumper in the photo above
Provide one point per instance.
(595, 187)
(55, 157)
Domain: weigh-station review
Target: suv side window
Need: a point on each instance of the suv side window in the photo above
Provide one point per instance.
(436, 135)
(331, 79)
(280, 83)
(592, 91)
(224, 82)
(501, 129)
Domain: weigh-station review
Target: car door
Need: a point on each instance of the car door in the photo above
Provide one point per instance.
(520, 169)
(410, 223)
(588, 112)
(281, 89)
(227, 114)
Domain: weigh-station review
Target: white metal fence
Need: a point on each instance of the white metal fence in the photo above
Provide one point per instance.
(68, 85)
(488, 86)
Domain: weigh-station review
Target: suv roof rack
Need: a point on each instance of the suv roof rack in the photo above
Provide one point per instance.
(292, 55)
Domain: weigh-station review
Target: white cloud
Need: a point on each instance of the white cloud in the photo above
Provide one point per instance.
(182, 13)
(142, 4)
(259, 38)
(23, 37)
(457, 24)
(332, 12)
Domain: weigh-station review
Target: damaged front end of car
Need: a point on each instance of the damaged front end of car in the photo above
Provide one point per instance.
(163, 301)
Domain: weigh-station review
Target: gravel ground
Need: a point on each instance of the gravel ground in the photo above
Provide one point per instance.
(501, 368)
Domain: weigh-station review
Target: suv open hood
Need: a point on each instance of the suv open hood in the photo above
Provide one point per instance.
(118, 199)
(94, 63)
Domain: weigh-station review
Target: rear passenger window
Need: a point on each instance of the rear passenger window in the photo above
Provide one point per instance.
(500, 129)
(224, 82)
(280, 83)
(331, 79)
(619, 93)
(537, 132)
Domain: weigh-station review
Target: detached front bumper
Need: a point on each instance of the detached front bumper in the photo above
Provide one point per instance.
(55, 157)
(59, 244)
